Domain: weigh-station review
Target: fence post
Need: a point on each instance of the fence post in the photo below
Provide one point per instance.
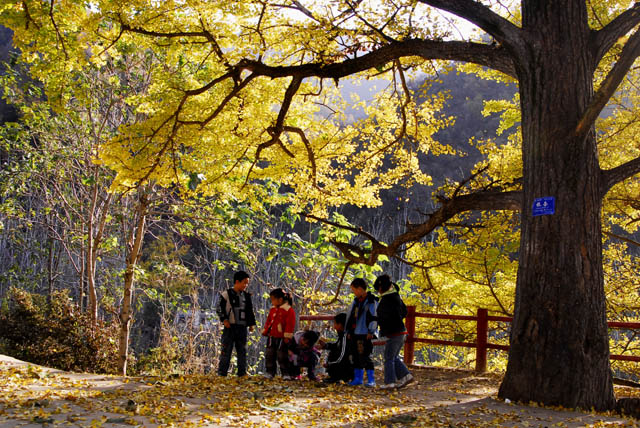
(481, 340)
(410, 323)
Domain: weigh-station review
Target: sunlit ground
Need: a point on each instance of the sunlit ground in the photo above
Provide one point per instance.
(32, 396)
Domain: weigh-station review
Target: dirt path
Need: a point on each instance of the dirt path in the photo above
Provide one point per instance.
(34, 396)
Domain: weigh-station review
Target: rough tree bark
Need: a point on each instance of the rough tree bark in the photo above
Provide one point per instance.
(559, 339)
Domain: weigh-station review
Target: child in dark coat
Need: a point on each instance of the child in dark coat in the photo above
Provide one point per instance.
(391, 312)
(235, 310)
(338, 365)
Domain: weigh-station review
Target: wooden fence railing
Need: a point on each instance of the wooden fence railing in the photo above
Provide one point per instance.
(481, 344)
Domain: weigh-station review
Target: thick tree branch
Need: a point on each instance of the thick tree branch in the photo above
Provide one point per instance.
(475, 12)
(276, 130)
(495, 57)
(610, 84)
(484, 200)
(623, 238)
(603, 39)
(170, 35)
(620, 173)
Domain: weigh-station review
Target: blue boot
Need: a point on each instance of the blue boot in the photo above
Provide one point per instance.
(358, 374)
(371, 382)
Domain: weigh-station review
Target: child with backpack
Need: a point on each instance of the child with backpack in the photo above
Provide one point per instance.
(391, 312)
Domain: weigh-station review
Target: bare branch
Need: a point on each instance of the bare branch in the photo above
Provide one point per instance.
(475, 12)
(58, 35)
(608, 87)
(310, 154)
(495, 57)
(337, 294)
(28, 16)
(483, 200)
(620, 173)
(276, 130)
(236, 90)
(169, 35)
(623, 238)
(603, 39)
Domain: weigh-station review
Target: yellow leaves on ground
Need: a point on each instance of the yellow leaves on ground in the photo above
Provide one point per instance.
(441, 398)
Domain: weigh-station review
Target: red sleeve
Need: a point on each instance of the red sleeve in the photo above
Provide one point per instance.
(270, 319)
(289, 323)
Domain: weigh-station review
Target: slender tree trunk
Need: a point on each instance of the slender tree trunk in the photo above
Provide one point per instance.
(50, 265)
(134, 246)
(559, 339)
(93, 244)
(83, 273)
(90, 261)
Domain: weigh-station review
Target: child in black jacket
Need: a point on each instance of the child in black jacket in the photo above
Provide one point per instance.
(235, 310)
(338, 365)
(391, 311)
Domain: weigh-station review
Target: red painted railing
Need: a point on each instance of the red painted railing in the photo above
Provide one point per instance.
(481, 344)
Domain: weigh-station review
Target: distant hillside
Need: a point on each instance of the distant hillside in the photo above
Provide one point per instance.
(7, 112)
(466, 95)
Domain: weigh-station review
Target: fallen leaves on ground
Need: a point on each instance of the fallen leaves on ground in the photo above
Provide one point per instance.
(441, 398)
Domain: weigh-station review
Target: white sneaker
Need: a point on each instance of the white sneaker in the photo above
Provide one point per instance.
(287, 377)
(389, 385)
(405, 380)
(267, 376)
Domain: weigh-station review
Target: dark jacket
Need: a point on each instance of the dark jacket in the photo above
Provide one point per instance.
(391, 312)
(229, 299)
(339, 365)
(338, 350)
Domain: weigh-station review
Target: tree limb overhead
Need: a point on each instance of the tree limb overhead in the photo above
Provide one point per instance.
(620, 173)
(481, 201)
(475, 12)
(610, 84)
(495, 57)
(605, 38)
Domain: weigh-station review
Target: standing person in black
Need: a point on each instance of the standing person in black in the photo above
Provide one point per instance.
(236, 313)
(391, 312)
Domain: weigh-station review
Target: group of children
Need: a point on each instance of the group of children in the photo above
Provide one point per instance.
(349, 356)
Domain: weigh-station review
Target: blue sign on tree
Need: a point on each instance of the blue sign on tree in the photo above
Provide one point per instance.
(544, 206)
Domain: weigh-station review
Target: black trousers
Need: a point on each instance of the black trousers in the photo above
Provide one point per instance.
(342, 371)
(361, 349)
(234, 336)
(276, 353)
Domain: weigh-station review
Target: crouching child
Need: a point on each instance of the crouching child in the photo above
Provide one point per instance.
(339, 366)
(302, 353)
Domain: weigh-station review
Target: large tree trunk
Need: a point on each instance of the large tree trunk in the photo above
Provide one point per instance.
(559, 340)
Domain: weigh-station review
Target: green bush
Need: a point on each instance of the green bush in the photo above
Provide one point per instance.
(56, 334)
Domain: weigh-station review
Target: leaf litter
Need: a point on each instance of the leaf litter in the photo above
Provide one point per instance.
(33, 396)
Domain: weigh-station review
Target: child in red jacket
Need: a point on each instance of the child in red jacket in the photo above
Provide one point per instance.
(279, 330)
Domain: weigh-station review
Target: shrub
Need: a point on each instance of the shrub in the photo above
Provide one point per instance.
(56, 334)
